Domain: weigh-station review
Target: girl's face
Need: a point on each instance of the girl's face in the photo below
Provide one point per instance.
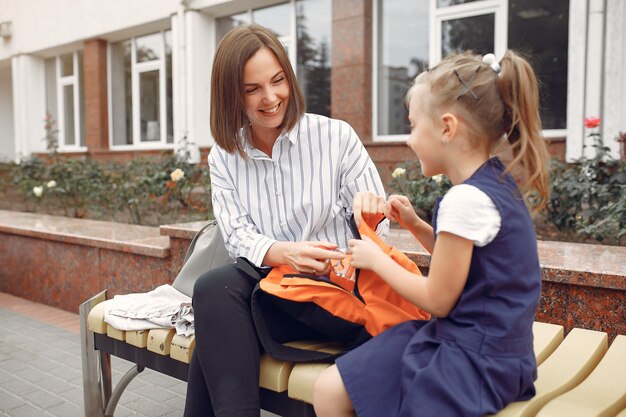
(266, 90)
(425, 139)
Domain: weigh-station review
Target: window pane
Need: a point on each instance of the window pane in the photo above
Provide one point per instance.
(225, 24)
(68, 114)
(168, 83)
(402, 53)
(148, 47)
(81, 98)
(314, 43)
(475, 33)
(547, 54)
(67, 65)
(51, 90)
(121, 94)
(149, 106)
(275, 18)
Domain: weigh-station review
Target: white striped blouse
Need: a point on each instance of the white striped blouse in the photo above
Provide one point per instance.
(304, 192)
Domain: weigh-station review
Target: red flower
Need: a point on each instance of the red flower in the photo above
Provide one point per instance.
(592, 122)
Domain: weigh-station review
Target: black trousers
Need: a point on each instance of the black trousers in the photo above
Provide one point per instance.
(224, 371)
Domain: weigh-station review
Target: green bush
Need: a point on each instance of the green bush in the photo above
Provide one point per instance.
(143, 191)
(407, 179)
(589, 196)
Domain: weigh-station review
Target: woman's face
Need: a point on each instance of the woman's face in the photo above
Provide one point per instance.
(266, 90)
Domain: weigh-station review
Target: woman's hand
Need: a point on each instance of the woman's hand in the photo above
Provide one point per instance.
(365, 204)
(365, 253)
(398, 208)
(306, 257)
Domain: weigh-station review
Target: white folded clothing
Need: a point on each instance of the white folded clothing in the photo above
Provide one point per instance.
(163, 307)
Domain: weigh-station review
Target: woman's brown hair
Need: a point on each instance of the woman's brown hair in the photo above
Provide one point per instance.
(495, 104)
(228, 114)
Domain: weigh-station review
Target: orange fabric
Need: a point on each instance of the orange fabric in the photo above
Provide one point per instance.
(383, 307)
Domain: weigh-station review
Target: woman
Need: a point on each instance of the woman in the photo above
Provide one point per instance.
(282, 184)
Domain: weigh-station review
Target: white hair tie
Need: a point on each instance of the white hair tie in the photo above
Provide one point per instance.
(490, 59)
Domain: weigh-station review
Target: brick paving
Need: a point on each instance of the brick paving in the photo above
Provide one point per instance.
(41, 368)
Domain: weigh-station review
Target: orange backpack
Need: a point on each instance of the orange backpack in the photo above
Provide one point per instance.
(343, 310)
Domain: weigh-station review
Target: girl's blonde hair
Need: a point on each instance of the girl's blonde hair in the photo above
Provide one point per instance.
(495, 104)
(228, 114)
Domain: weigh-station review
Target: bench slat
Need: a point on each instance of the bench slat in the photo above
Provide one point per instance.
(95, 319)
(302, 379)
(622, 414)
(546, 338)
(182, 348)
(160, 340)
(602, 394)
(303, 375)
(568, 365)
(138, 338)
(116, 333)
(274, 374)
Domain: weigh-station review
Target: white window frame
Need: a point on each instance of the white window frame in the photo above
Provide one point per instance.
(138, 68)
(437, 16)
(288, 41)
(64, 81)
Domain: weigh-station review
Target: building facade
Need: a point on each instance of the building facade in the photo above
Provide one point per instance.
(122, 78)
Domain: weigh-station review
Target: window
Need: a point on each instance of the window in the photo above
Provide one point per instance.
(141, 91)
(314, 48)
(410, 36)
(304, 28)
(64, 99)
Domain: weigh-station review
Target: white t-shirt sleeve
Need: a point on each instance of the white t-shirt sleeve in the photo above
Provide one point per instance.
(468, 212)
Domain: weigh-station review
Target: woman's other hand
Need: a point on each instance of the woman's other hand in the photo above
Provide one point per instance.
(367, 204)
(304, 257)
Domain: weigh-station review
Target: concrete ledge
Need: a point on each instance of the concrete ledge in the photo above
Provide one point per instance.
(140, 240)
(61, 261)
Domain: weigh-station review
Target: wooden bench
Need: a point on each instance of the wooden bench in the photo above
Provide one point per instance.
(578, 375)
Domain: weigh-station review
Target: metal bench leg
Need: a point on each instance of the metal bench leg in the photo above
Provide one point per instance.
(96, 364)
(120, 387)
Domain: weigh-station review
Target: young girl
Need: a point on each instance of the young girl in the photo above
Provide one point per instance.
(484, 283)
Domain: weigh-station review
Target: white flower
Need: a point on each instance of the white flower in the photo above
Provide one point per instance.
(38, 191)
(177, 175)
(51, 184)
(398, 172)
(437, 178)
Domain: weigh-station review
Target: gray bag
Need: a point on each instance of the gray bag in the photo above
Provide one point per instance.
(206, 251)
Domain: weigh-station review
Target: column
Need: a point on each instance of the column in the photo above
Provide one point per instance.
(351, 77)
(29, 104)
(96, 99)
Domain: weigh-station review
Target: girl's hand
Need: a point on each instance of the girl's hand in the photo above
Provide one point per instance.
(366, 203)
(398, 208)
(365, 253)
(311, 257)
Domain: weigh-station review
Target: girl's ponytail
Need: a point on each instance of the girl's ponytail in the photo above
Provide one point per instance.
(522, 125)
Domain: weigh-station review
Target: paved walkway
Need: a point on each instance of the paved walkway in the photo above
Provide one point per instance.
(41, 368)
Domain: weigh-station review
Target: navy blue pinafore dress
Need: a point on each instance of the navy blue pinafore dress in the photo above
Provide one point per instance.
(480, 357)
